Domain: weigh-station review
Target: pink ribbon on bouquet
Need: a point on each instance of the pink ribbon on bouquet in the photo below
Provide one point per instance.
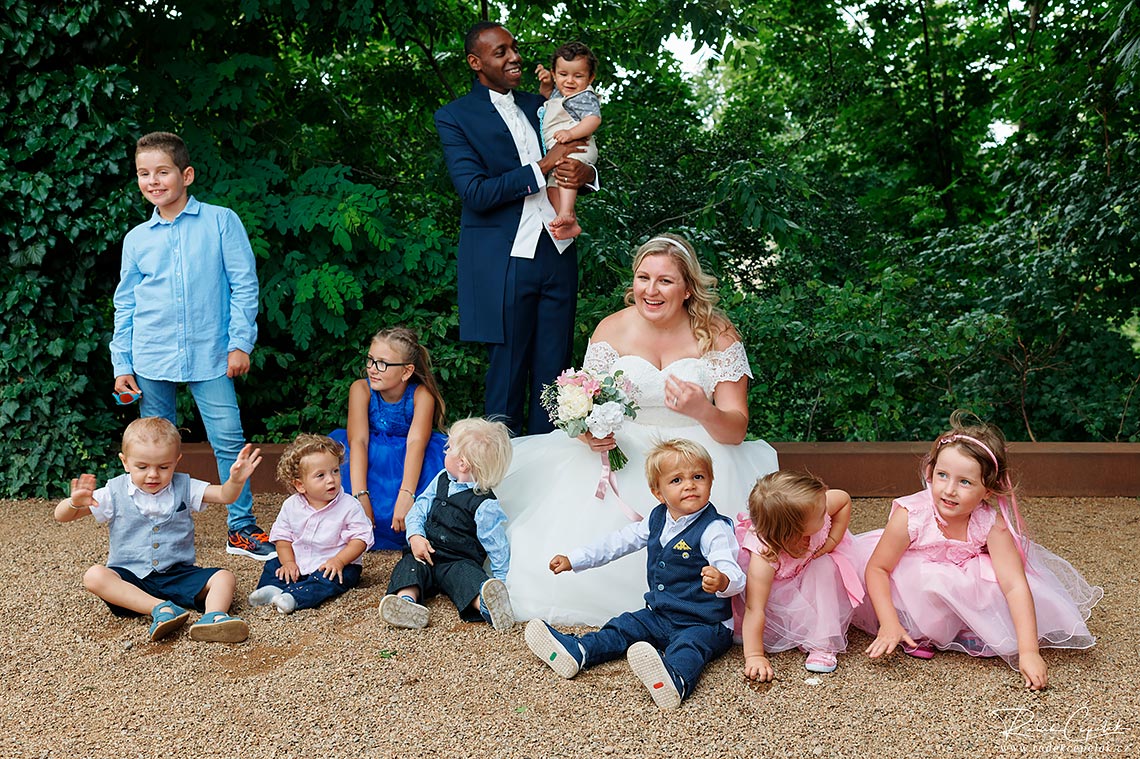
(608, 478)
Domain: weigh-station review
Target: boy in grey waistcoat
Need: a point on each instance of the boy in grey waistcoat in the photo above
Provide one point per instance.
(150, 568)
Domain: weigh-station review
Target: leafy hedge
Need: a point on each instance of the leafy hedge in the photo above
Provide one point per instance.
(883, 268)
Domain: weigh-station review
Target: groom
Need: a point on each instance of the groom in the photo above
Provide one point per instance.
(518, 285)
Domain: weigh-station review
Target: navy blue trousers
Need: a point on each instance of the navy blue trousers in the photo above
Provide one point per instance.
(538, 321)
(685, 648)
(311, 590)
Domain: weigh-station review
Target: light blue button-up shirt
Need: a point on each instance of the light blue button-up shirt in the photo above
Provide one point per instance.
(490, 523)
(187, 296)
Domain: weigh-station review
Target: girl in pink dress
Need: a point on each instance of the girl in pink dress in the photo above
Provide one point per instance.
(803, 585)
(953, 570)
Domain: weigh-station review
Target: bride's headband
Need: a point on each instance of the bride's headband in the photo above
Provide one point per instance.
(670, 241)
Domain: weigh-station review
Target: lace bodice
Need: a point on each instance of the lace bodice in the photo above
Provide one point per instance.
(392, 418)
(928, 538)
(706, 371)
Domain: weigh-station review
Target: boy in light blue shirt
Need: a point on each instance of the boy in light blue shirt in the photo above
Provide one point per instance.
(186, 312)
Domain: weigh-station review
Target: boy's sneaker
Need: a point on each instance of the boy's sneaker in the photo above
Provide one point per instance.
(821, 661)
(219, 627)
(495, 605)
(560, 651)
(167, 617)
(251, 541)
(646, 662)
(401, 612)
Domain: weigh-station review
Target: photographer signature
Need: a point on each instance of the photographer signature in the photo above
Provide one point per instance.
(1079, 727)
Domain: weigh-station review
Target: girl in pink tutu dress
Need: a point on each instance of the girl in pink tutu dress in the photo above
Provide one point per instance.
(803, 582)
(953, 571)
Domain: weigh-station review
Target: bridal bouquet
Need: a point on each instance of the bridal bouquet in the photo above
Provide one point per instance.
(581, 400)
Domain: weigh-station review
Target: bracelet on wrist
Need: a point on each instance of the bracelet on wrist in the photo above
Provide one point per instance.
(405, 490)
(71, 505)
(360, 493)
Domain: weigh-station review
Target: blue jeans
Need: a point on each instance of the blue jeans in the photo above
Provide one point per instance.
(311, 590)
(217, 405)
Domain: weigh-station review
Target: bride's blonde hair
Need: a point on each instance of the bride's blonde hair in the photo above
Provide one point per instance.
(707, 321)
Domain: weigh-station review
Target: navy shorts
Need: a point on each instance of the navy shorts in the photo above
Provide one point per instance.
(182, 584)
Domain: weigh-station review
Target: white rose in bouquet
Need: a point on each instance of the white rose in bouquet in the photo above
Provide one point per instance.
(573, 403)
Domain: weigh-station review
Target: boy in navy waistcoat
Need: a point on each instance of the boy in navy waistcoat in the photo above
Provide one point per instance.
(692, 574)
(150, 568)
(455, 526)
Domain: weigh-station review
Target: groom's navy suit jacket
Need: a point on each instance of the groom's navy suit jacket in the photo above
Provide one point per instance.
(487, 173)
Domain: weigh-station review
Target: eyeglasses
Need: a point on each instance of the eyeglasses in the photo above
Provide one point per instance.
(125, 399)
(380, 366)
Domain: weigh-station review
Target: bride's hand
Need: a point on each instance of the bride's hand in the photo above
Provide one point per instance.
(684, 397)
(598, 444)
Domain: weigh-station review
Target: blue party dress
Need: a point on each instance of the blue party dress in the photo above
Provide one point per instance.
(388, 426)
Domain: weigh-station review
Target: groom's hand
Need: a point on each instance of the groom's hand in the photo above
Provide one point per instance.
(560, 564)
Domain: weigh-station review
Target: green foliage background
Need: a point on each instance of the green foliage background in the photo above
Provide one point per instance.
(885, 258)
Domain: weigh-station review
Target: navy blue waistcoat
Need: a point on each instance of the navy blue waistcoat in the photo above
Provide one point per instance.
(674, 572)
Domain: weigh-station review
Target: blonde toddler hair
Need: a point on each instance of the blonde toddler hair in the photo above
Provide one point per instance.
(660, 456)
(289, 467)
(485, 446)
(780, 504)
(151, 429)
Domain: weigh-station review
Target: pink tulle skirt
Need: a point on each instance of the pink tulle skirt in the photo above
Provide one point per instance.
(962, 608)
(811, 610)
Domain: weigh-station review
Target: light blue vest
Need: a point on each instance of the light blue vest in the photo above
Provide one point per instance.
(144, 545)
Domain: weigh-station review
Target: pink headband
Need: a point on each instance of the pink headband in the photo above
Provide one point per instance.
(975, 441)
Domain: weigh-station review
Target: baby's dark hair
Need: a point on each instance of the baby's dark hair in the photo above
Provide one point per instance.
(572, 50)
(780, 505)
(168, 143)
(289, 466)
(980, 441)
(406, 341)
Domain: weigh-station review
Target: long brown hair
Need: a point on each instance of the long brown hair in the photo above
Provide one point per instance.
(417, 355)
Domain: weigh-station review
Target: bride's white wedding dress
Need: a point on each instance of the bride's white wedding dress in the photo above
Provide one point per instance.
(548, 495)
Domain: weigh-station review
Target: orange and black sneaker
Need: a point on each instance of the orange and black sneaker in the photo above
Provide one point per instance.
(251, 541)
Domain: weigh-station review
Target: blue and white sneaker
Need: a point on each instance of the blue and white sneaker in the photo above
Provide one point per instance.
(646, 662)
(559, 650)
(251, 541)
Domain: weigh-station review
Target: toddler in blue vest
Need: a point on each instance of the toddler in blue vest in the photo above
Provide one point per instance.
(692, 574)
(150, 568)
(455, 526)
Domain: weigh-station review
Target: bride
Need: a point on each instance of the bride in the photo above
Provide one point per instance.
(692, 374)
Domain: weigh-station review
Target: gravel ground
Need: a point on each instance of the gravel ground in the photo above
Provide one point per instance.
(335, 682)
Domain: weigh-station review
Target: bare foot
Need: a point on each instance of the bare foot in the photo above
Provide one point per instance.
(565, 227)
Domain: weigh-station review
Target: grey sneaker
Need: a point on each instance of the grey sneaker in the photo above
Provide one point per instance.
(495, 605)
(400, 612)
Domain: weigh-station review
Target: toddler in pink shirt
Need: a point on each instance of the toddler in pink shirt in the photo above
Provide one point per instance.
(320, 533)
